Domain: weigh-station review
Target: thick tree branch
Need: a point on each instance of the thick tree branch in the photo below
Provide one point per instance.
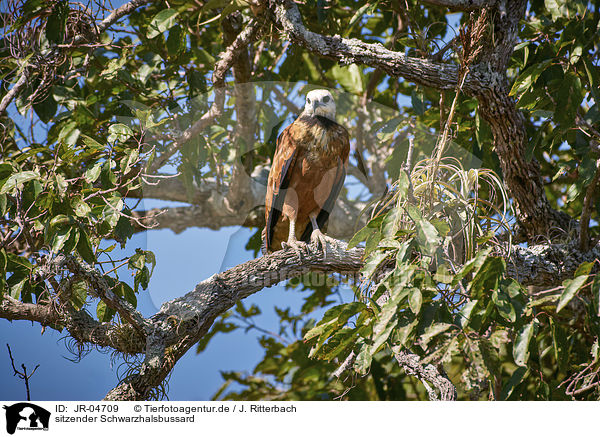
(210, 207)
(351, 50)
(80, 324)
(182, 322)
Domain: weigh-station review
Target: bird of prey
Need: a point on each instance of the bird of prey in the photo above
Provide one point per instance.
(307, 174)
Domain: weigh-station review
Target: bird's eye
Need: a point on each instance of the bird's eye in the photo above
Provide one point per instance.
(308, 100)
(326, 99)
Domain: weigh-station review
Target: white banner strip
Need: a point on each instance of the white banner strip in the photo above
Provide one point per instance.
(262, 419)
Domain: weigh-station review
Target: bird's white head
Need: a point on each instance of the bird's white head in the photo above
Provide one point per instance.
(320, 102)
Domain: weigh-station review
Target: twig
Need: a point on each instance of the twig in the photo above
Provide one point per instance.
(23, 375)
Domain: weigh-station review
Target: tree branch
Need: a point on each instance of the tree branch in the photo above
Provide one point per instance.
(182, 322)
(209, 208)
(103, 291)
(412, 365)
(351, 50)
(23, 375)
(80, 325)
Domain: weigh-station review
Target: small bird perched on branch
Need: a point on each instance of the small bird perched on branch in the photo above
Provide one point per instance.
(307, 174)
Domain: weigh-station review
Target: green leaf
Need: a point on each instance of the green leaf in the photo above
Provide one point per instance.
(360, 236)
(575, 54)
(46, 109)
(368, 9)
(433, 331)
(557, 8)
(84, 247)
(161, 22)
(125, 291)
(521, 346)
(516, 378)
(584, 269)
(572, 286)
(57, 22)
(59, 238)
(487, 277)
(175, 41)
(560, 345)
(16, 181)
(418, 102)
(415, 300)
(464, 315)
(92, 144)
(112, 211)
(80, 208)
(528, 77)
(373, 261)
(69, 134)
(92, 174)
(490, 357)
(3, 261)
(387, 320)
(504, 306)
(427, 235)
(595, 291)
(3, 204)
(349, 77)
(568, 99)
(337, 316)
(104, 313)
(79, 291)
(363, 360)
(119, 132)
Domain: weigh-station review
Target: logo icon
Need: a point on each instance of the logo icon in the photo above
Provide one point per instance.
(26, 416)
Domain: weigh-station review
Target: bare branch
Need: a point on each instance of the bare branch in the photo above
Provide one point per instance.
(80, 325)
(10, 95)
(209, 208)
(23, 375)
(118, 13)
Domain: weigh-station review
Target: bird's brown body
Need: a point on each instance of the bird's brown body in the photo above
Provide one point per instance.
(308, 172)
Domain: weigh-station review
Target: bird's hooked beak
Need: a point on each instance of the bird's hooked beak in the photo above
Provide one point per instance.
(316, 104)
